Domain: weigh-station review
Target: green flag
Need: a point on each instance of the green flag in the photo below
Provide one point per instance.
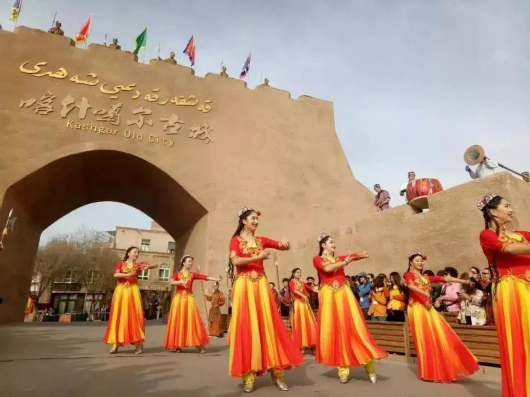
(141, 41)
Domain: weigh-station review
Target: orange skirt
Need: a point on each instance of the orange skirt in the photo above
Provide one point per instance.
(343, 338)
(441, 355)
(257, 336)
(126, 320)
(511, 306)
(303, 324)
(184, 325)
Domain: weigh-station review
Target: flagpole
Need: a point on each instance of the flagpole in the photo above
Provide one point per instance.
(106, 35)
(16, 20)
(88, 33)
(54, 17)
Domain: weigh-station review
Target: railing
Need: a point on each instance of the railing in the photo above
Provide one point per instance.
(396, 338)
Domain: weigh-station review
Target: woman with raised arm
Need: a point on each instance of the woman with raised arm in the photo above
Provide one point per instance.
(441, 355)
(126, 324)
(508, 254)
(303, 322)
(257, 336)
(343, 340)
(184, 325)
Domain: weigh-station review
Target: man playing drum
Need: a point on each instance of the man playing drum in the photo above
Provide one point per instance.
(412, 177)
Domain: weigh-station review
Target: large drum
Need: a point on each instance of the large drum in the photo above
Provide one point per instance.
(419, 189)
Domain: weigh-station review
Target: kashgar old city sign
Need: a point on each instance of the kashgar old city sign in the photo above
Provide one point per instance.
(106, 120)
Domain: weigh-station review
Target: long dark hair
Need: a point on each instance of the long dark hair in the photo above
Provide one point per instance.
(321, 251)
(291, 295)
(184, 260)
(128, 252)
(488, 220)
(405, 289)
(237, 233)
(395, 279)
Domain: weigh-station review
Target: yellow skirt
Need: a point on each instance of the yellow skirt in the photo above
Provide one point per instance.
(126, 320)
(257, 336)
(511, 306)
(343, 338)
(303, 324)
(184, 325)
(440, 354)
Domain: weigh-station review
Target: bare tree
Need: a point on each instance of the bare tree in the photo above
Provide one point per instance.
(95, 264)
(52, 262)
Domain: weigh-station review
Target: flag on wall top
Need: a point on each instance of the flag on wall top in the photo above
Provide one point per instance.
(82, 36)
(190, 50)
(141, 41)
(246, 68)
(15, 10)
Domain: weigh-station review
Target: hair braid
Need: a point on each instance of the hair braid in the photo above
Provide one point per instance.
(488, 220)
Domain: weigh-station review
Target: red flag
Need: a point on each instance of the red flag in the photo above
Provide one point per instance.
(190, 50)
(82, 36)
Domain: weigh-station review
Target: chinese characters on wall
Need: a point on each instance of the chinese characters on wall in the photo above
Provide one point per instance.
(136, 121)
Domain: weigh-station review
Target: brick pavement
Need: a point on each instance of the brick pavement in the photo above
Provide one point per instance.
(70, 360)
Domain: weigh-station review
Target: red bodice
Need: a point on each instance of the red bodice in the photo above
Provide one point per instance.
(300, 287)
(507, 264)
(333, 279)
(189, 277)
(134, 269)
(424, 283)
(240, 248)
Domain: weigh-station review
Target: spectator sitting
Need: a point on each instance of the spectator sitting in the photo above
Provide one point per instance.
(377, 310)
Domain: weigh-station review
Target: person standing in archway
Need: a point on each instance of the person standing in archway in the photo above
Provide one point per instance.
(184, 325)
(126, 321)
(259, 341)
(343, 337)
(217, 298)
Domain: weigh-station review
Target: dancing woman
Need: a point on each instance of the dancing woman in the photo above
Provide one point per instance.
(303, 322)
(184, 325)
(257, 336)
(441, 355)
(343, 338)
(509, 257)
(126, 324)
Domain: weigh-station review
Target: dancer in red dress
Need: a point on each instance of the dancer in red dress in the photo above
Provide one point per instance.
(509, 256)
(126, 324)
(184, 326)
(258, 339)
(343, 339)
(441, 355)
(303, 322)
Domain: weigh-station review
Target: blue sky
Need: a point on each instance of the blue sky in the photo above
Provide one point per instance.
(413, 82)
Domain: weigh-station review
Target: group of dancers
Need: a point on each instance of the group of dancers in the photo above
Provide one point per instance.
(339, 337)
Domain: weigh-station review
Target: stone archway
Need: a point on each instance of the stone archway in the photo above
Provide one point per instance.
(210, 144)
(63, 185)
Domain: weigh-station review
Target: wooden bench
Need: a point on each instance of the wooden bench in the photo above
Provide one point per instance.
(390, 336)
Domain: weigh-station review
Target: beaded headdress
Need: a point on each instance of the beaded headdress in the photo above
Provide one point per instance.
(484, 201)
(411, 173)
(321, 237)
(185, 257)
(245, 209)
(416, 253)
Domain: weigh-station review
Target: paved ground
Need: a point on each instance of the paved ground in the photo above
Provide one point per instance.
(70, 360)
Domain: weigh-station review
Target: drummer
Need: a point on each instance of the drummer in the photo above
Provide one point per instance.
(412, 178)
(526, 176)
(485, 168)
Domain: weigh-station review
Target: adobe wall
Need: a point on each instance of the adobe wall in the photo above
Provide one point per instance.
(277, 154)
(447, 233)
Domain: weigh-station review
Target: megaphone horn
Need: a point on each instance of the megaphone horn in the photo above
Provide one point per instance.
(474, 155)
